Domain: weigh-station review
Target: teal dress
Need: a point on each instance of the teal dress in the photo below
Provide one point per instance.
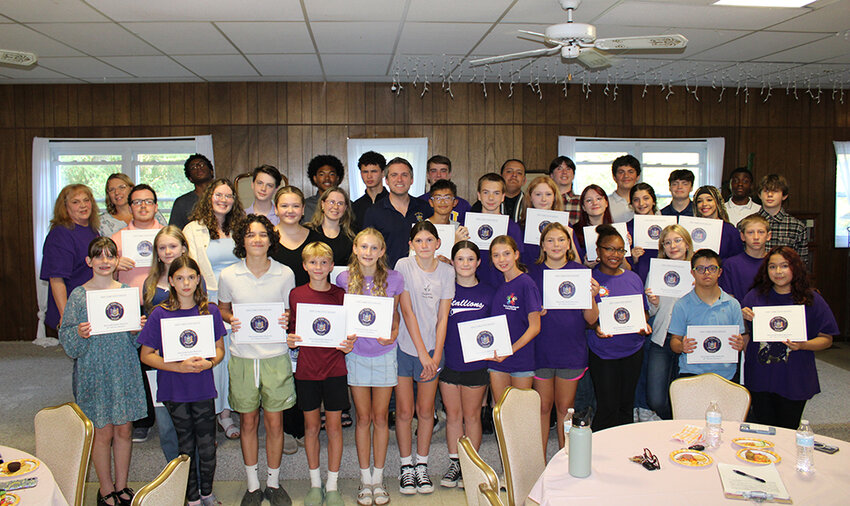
(108, 384)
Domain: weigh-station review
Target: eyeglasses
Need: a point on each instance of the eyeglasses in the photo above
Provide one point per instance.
(223, 196)
(336, 203)
(609, 249)
(670, 242)
(139, 202)
(648, 460)
(702, 269)
(441, 198)
(114, 189)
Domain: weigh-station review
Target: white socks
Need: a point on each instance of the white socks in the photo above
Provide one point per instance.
(253, 479)
(407, 461)
(453, 456)
(315, 478)
(421, 460)
(378, 476)
(366, 476)
(330, 485)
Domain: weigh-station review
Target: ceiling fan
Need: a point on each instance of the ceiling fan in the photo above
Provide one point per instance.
(20, 58)
(578, 41)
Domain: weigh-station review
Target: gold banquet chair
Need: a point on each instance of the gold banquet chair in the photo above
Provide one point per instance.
(520, 441)
(690, 397)
(167, 489)
(474, 471)
(488, 496)
(63, 441)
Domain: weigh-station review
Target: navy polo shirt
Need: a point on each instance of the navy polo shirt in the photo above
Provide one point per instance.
(669, 211)
(361, 205)
(394, 226)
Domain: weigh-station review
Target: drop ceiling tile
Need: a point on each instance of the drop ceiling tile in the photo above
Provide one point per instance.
(201, 10)
(28, 74)
(13, 36)
(46, 11)
(359, 37)
(454, 11)
(286, 64)
(271, 37)
(217, 65)
(829, 18)
(183, 38)
(845, 59)
(345, 10)
(170, 79)
(148, 66)
(824, 49)
(550, 12)
(757, 45)
(97, 39)
(356, 64)
(83, 68)
(695, 16)
(439, 38)
(702, 40)
(505, 38)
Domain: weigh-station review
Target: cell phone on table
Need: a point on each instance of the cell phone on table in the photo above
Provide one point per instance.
(825, 448)
(758, 429)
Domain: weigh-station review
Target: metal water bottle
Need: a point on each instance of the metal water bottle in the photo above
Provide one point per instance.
(580, 449)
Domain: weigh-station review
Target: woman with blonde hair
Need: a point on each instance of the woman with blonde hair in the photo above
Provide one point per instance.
(708, 203)
(542, 193)
(117, 214)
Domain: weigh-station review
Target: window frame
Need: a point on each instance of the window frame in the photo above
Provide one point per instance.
(417, 146)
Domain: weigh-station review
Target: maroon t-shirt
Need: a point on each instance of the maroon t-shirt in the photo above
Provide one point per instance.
(316, 363)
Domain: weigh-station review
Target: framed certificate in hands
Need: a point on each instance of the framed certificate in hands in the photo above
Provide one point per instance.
(622, 314)
(138, 245)
(368, 316)
(187, 337)
(647, 229)
(483, 228)
(669, 278)
(482, 338)
(537, 219)
(320, 325)
(590, 240)
(705, 232)
(779, 323)
(113, 310)
(259, 323)
(712, 344)
(566, 289)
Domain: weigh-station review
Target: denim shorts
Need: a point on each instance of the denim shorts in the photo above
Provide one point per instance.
(380, 371)
(516, 374)
(409, 366)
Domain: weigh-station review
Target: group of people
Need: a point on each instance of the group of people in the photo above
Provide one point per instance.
(215, 254)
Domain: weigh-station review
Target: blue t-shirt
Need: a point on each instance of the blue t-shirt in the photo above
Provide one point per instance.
(516, 299)
(621, 345)
(469, 303)
(691, 310)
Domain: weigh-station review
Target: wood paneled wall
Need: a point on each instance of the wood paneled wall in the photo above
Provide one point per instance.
(285, 124)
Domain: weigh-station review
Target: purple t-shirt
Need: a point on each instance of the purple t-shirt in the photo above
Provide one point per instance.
(486, 272)
(516, 299)
(622, 345)
(561, 343)
(64, 256)
(368, 347)
(180, 386)
(738, 274)
(469, 303)
(641, 266)
(730, 241)
(773, 367)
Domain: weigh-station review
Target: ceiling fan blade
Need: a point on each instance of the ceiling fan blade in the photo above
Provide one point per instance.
(21, 58)
(594, 59)
(541, 35)
(546, 51)
(674, 41)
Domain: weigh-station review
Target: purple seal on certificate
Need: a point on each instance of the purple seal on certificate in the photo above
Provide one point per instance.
(778, 324)
(699, 235)
(321, 326)
(711, 344)
(366, 316)
(188, 338)
(621, 315)
(259, 324)
(567, 289)
(654, 232)
(543, 224)
(114, 311)
(144, 249)
(485, 232)
(671, 278)
(485, 339)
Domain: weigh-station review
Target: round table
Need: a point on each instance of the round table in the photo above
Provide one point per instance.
(616, 479)
(46, 492)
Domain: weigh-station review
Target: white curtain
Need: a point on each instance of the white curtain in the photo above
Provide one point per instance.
(412, 149)
(714, 161)
(842, 194)
(567, 146)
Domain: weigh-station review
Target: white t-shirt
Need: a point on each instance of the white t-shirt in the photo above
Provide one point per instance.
(619, 207)
(426, 290)
(738, 213)
(238, 285)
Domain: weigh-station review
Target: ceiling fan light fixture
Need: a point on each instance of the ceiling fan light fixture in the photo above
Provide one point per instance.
(788, 4)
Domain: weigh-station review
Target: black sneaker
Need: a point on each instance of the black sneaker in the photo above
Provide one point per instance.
(141, 434)
(452, 476)
(423, 481)
(407, 480)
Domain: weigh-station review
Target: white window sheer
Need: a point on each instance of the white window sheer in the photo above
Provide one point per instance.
(842, 194)
(412, 149)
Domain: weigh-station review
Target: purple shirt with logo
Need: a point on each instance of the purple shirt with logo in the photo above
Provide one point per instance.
(516, 299)
(622, 345)
(469, 303)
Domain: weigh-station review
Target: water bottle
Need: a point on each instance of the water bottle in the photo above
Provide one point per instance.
(805, 448)
(713, 420)
(568, 423)
(580, 449)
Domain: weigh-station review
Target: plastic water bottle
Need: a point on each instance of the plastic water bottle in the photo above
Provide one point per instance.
(568, 424)
(805, 448)
(713, 430)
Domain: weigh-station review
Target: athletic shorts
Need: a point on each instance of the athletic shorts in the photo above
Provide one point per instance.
(567, 374)
(476, 378)
(267, 382)
(332, 392)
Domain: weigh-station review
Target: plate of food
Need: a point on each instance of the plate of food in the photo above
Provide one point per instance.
(758, 457)
(748, 442)
(9, 500)
(18, 467)
(691, 458)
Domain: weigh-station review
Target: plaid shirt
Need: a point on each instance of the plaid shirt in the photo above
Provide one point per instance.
(572, 205)
(786, 230)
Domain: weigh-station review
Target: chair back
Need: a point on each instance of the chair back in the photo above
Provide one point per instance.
(520, 441)
(488, 497)
(167, 489)
(474, 471)
(63, 441)
(690, 397)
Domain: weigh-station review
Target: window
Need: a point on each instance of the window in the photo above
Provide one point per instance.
(158, 163)
(412, 149)
(842, 194)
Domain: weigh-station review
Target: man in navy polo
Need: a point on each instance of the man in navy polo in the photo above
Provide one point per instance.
(440, 167)
(394, 216)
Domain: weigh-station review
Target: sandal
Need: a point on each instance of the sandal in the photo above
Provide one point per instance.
(231, 431)
(126, 491)
(346, 419)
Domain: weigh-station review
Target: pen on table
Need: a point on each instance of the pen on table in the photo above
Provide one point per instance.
(742, 473)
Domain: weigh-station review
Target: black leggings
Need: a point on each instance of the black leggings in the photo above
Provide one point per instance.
(770, 408)
(614, 381)
(194, 423)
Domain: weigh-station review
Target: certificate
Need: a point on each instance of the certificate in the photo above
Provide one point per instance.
(483, 228)
(320, 325)
(566, 289)
(368, 316)
(779, 323)
(480, 339)
(113, 310)
(186, 337)
(537, 219)
(712, 344)
(669, 278)
(648, 229)
(446, 234)
(138, 245)
(259, 323)
(590, 240)
(152, 382)
(337, 270)
(705, 232)
(623, 314)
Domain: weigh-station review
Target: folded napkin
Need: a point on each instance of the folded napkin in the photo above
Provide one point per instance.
(689, 434)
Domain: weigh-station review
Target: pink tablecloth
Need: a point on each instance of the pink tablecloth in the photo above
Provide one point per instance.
(617, 480)
(45, 493)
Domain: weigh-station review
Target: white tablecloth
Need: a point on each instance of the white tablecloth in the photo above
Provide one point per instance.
(616, 480)
(45, 493)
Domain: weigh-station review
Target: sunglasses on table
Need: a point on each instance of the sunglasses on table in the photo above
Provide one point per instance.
(648, 460)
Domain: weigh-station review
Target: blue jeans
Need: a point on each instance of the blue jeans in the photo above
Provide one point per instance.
(167, 434)
(640, 389)
(661, 368)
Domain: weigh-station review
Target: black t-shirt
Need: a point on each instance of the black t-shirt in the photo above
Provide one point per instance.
(510, 205)
(341, 246)
(361, 205)
(292, 257)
